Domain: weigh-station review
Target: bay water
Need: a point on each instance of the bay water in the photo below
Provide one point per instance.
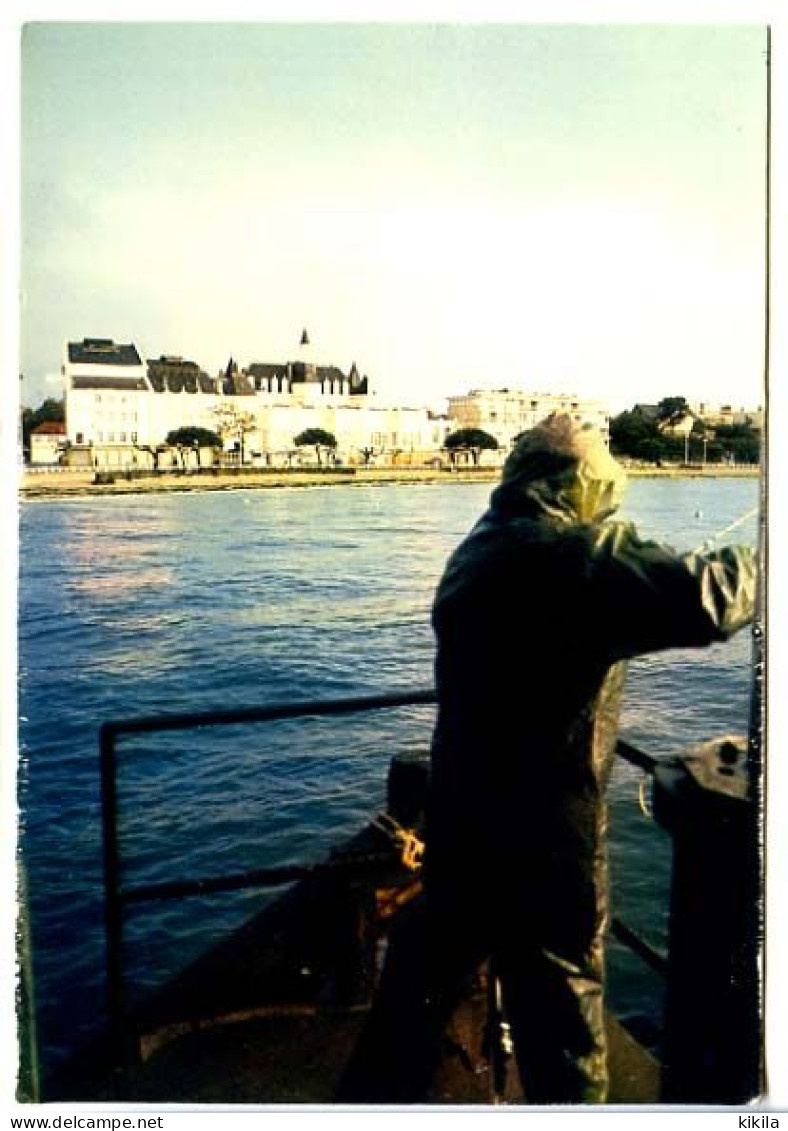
(152, 603)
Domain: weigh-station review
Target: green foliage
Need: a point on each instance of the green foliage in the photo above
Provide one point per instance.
(192, 436)
(636, 436)
(741, 442)
(473, 440)
(316, 438)
(629, 432)
(672, 409)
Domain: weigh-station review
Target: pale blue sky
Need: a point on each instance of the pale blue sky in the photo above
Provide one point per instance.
(454, 206)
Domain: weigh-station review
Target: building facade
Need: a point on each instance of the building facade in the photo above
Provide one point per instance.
(505, 413)
(47, 443)
(120, 409)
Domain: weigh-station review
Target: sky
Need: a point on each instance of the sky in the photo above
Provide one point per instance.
(568, 208)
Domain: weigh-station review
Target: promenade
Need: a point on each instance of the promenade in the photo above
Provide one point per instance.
(66, 483)
(42, 484)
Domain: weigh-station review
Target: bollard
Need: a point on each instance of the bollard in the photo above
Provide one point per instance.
(713, 1040)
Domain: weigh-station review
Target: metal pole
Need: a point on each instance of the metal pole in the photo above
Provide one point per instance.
(113, 910)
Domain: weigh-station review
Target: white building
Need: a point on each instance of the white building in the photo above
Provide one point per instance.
(504, 413)
(117, 406)
(107, 400)
(47, 443)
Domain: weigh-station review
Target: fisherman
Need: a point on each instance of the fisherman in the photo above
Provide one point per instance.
(537, 612)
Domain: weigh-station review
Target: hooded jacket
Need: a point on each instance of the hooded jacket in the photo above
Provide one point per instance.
(536, 613)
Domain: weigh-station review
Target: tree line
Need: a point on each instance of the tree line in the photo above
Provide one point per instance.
(670, 433)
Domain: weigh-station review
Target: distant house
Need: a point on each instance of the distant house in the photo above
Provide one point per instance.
(678, 426)
(47, 442)
(680, 423)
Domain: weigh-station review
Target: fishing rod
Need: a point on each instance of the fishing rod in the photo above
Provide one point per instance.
(727, 529)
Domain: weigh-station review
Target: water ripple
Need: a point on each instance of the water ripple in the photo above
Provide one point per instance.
(137, 606)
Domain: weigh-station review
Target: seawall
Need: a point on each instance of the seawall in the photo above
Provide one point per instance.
(65, 483)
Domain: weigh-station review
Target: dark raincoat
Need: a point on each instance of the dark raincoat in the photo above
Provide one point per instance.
(536, 614)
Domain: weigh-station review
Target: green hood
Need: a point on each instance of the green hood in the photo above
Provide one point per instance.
(562, 470)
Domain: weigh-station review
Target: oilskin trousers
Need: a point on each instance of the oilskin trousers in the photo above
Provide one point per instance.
(552, 996)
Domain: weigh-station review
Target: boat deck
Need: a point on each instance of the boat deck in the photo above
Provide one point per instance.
(271, 1014)
(298, 1059)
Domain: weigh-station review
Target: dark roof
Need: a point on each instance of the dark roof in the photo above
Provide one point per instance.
(329, 373)
(109, 383)
(236, 384)
(358, 384)
(174, 382)
(267, 369)
(50, 428)
(174, 375)
(103, 351)
(172, 364)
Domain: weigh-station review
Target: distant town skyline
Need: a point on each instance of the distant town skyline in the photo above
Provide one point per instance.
(576, 208)
(59, 383)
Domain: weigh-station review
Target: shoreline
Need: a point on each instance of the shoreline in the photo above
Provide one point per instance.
(77, 484)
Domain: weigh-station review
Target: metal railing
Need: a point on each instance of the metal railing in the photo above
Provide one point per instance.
(117, 897)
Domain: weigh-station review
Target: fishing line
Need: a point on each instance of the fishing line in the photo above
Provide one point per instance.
(727, 529)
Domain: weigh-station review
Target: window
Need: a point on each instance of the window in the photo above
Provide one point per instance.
(122, 437)
(80, 438)
(134, 437)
